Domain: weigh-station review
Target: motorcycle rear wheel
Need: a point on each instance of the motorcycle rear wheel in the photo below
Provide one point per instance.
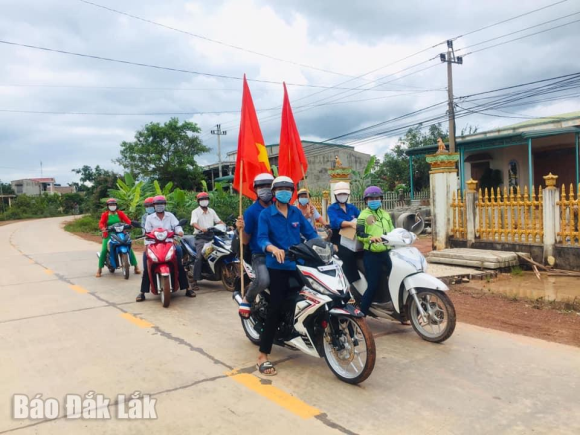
(165, 291)
(126, 268)
(441, 322)
(354, 332)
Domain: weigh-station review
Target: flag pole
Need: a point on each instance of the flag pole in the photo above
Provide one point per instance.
(242, 232)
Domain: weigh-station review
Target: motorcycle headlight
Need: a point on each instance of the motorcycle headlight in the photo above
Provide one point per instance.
(170, 253)
(318, 287)
(160, 235)
(152, 256)
(119, 228)
(325, 253)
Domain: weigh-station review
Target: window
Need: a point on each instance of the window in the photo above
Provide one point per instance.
(513, 173)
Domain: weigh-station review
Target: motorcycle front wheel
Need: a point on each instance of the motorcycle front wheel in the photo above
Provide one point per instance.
(125, 262)
(440, 322)
(353, 360)
(229, 272)
(165, 291)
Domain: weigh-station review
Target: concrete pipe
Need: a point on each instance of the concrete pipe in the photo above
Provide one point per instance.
(411, 222)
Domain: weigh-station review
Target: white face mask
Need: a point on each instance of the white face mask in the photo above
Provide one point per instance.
(112, 208)
(342, 198)
(204, 202)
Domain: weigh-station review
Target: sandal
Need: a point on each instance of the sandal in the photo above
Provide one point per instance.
(267, 366)
(244, 310)
(140, 297)
(137, 271)
(99, 273)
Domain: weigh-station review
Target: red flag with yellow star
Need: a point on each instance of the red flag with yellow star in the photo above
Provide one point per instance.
(291, 159)
(251, 149)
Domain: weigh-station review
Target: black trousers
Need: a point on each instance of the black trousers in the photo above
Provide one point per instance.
(279, 291)
(349, 266)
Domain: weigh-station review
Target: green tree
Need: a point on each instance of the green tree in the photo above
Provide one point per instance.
(360, 181)
(393, 170)
(97, 183)
(6, 189)
(165, 152)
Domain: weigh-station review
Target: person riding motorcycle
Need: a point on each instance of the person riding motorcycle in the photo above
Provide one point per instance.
(374, 222)
(280, 227)
(202, 219)
(166, 220)
(307, 208)
(247, 226)
(110, 217)
(149, 209)
(343, 214)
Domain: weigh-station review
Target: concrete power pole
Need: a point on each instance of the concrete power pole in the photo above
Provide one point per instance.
(450, 58)
(219, 132)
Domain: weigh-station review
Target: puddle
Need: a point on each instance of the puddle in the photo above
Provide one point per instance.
(551, 288)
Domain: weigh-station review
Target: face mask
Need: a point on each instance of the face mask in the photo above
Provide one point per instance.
(112, 208)
(160, 208)
(284, 196)
(374, 204)
(303, 201)
(265, 194)
(342, 198)
(149, 210)
(204, 202)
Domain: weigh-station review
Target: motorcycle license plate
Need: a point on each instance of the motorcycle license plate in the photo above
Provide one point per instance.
(327, 268)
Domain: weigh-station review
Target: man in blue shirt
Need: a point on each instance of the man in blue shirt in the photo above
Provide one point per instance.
(341, 214)
(248, 228)
(279, 228)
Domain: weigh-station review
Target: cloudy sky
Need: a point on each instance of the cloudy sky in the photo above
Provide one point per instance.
(315, 44)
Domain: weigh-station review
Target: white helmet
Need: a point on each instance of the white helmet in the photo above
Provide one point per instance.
(264, 179)
(283, 181)
(341, 187)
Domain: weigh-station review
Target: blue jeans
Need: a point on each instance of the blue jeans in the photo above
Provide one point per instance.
(262, 279)
(376, 263)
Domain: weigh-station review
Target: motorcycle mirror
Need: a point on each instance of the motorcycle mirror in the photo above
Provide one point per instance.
(136, 224)
(182, 222)
(360, 231)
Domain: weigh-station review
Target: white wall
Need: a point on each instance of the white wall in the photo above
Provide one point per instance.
(501, 158)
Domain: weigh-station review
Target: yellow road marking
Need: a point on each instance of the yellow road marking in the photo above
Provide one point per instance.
(48, 272)
(78, 289)
(280, 397)
(137, 321)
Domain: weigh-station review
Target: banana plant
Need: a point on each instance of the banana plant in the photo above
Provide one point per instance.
(128, 194)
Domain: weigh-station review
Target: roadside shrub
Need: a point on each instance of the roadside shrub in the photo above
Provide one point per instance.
(86, 224)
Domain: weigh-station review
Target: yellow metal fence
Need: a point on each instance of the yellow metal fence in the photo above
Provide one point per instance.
(569, 233)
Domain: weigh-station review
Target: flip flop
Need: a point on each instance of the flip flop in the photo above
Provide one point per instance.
(244, 310)
(266, 366)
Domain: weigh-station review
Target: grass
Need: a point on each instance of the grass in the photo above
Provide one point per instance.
(517, 271)
(86, 224)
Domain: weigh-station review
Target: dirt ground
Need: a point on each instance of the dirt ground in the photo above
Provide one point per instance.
(552, 321)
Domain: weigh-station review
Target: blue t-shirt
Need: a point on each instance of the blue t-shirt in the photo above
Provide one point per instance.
(337, 216)
(251, 218)
(282, 232)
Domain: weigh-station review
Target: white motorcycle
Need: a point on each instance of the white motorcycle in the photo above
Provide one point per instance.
(409, 293)
(318, 320)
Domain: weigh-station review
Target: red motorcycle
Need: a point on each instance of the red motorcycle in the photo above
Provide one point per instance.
(162, 264)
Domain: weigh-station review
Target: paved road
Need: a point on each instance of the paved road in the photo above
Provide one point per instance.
(64, 331)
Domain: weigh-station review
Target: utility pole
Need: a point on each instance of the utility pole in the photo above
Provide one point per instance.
(450, 58)
(219, 132)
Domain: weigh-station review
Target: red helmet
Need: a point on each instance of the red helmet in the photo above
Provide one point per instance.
(111, 201)
(202, 195)
(148, 201)
(159, 199)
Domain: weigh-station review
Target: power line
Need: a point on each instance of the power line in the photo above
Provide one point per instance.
(146, 65)
(509, 19)
(518, 31)
(521, 37)
(215, 41)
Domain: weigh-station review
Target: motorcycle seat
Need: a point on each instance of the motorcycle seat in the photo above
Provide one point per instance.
(189, 241)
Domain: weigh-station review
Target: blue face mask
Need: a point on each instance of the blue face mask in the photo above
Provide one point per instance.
(303, 201)
(284, 196)
(374, 204)
(150, 210)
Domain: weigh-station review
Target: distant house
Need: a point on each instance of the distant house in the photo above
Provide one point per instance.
(39, 186)
(320, 156)
(520, 154)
